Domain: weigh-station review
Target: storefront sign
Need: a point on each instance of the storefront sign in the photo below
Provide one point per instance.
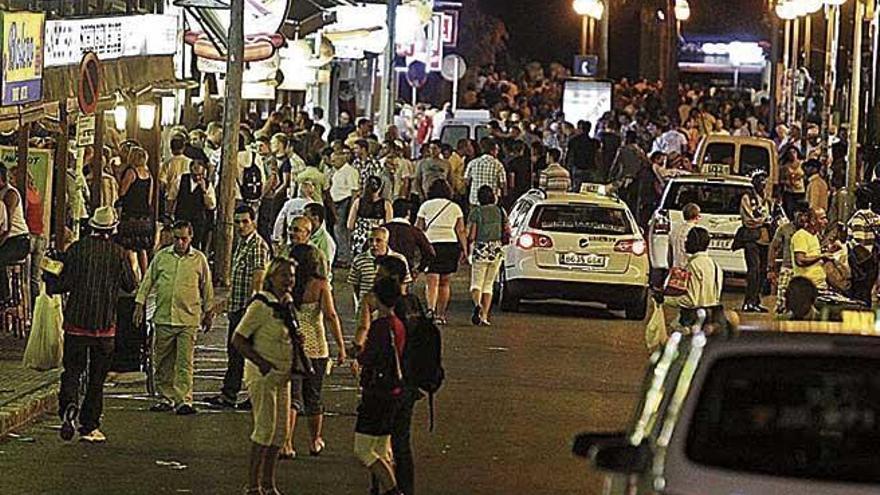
(22, 48)
(110, 38)
(39, 164)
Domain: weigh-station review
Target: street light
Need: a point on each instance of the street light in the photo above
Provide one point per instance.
(682, 10)
(589, 8)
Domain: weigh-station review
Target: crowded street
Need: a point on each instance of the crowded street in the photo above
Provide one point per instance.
(514, 399)
(445, 247)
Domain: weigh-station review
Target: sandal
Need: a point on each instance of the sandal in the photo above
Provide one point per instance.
(286, 456)
(317, 447)
(252, 491)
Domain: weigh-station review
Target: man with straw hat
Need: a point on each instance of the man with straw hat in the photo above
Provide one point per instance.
(95, 269)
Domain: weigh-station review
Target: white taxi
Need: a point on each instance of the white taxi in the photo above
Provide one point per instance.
(786, 410)
(719, 199)
(575, 247)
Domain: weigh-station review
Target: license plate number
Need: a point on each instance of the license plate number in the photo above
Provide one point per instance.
(721, 244)
(583, 260)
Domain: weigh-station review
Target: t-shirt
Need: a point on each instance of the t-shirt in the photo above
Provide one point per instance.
(440, 216)
(430, 170)
(807, 243)
(344, 181)
(489, 220)
(270, 336)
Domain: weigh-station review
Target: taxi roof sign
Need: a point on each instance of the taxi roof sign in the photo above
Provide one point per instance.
(854, 323)
(594, 188)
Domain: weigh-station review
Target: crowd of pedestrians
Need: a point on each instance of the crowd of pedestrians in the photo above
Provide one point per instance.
(385, 213)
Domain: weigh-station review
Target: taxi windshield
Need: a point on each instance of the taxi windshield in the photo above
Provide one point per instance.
(581, 219)
(814, 417)
(714, 198)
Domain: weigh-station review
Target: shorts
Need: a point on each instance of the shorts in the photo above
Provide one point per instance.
(370, 448)
(270, 397)
(484, 274)
(375, 414)
(305, 390)
(446, 260)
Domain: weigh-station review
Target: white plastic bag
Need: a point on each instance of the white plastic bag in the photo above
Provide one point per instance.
(655, 330)
(46, 341)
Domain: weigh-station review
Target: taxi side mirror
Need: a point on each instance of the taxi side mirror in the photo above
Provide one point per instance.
(612, 452)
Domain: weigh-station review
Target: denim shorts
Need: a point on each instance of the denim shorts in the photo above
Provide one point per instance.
(305, 391)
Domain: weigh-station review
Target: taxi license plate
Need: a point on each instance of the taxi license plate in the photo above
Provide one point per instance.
(583, 260)
(721, 244)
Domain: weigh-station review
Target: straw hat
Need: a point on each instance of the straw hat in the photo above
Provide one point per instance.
(104, 218)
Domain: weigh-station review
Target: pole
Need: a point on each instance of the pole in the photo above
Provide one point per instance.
(855, 97)
(97, 161)
(774, 70)
(786, 52)
(21, 172)
(670, 83)
(832, 14)
(61, 178)
(229, 157)
(455, 77)
(386, 103)
(585, 33)
(808, 40)
(603, 41)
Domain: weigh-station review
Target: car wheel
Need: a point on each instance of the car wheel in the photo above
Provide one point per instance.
(509, 299)
(639, 308)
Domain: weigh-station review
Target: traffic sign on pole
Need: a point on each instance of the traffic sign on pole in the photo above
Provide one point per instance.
(417, 74)
(89, 86)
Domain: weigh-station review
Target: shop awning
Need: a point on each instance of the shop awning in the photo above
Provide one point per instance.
(128, 73)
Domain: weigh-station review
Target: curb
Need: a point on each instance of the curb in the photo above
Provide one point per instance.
(29, 408)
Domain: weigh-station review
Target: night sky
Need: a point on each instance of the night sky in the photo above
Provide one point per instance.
(549, 30)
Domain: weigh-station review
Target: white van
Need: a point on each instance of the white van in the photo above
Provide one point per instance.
(465, 124)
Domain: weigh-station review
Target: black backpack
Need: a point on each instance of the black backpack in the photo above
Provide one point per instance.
(423, 353)
(251, 183)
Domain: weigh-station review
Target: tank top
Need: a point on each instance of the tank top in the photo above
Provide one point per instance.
(136, 202)
(311, 324)
(374, 210)
(17, 225)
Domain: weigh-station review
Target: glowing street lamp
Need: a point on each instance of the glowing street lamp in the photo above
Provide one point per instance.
(589, 8)
(682, 10)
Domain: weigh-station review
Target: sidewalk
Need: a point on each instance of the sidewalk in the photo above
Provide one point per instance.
(25, 394)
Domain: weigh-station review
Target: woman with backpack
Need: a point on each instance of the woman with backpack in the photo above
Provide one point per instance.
(442, 221)
(264, 338)
(313, 303)
(488, 229)
(368, 211)
(379, 356)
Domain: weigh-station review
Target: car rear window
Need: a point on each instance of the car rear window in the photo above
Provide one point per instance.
(451, 134)
(800, 417)
(720, 153)
(753, 158)
(581, 219)
(713, 198)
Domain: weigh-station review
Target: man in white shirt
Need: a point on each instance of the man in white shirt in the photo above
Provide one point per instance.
(344, 185)
(678, 258)
(294, 207)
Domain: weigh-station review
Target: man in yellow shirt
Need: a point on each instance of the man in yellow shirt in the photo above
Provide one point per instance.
(181, 278)
(806, 251)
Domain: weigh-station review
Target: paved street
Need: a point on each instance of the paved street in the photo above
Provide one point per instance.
(515, 395)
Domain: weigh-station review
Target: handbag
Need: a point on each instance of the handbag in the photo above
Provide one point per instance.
(46, 341)
(676, 282)
(302, 364)
(655, 330)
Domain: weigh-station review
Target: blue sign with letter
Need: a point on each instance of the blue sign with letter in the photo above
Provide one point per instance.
(586, 65)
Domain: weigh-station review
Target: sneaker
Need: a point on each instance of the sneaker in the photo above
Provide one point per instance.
(485, 323)
(220, 401)
(185, 410)
(95, 436)
(161, 407)
(317, 447)
(475, 316)
(68, 423)
(244, 405)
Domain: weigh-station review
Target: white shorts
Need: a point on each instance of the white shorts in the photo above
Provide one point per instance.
(484, 274)
(369, 448)
(270, 396)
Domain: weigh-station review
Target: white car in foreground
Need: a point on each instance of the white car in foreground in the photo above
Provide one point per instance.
(575, 247)
(719, 199)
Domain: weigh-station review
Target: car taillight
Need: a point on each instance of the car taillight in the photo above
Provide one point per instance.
(661, 222)
(529, 240)
(634, 246)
